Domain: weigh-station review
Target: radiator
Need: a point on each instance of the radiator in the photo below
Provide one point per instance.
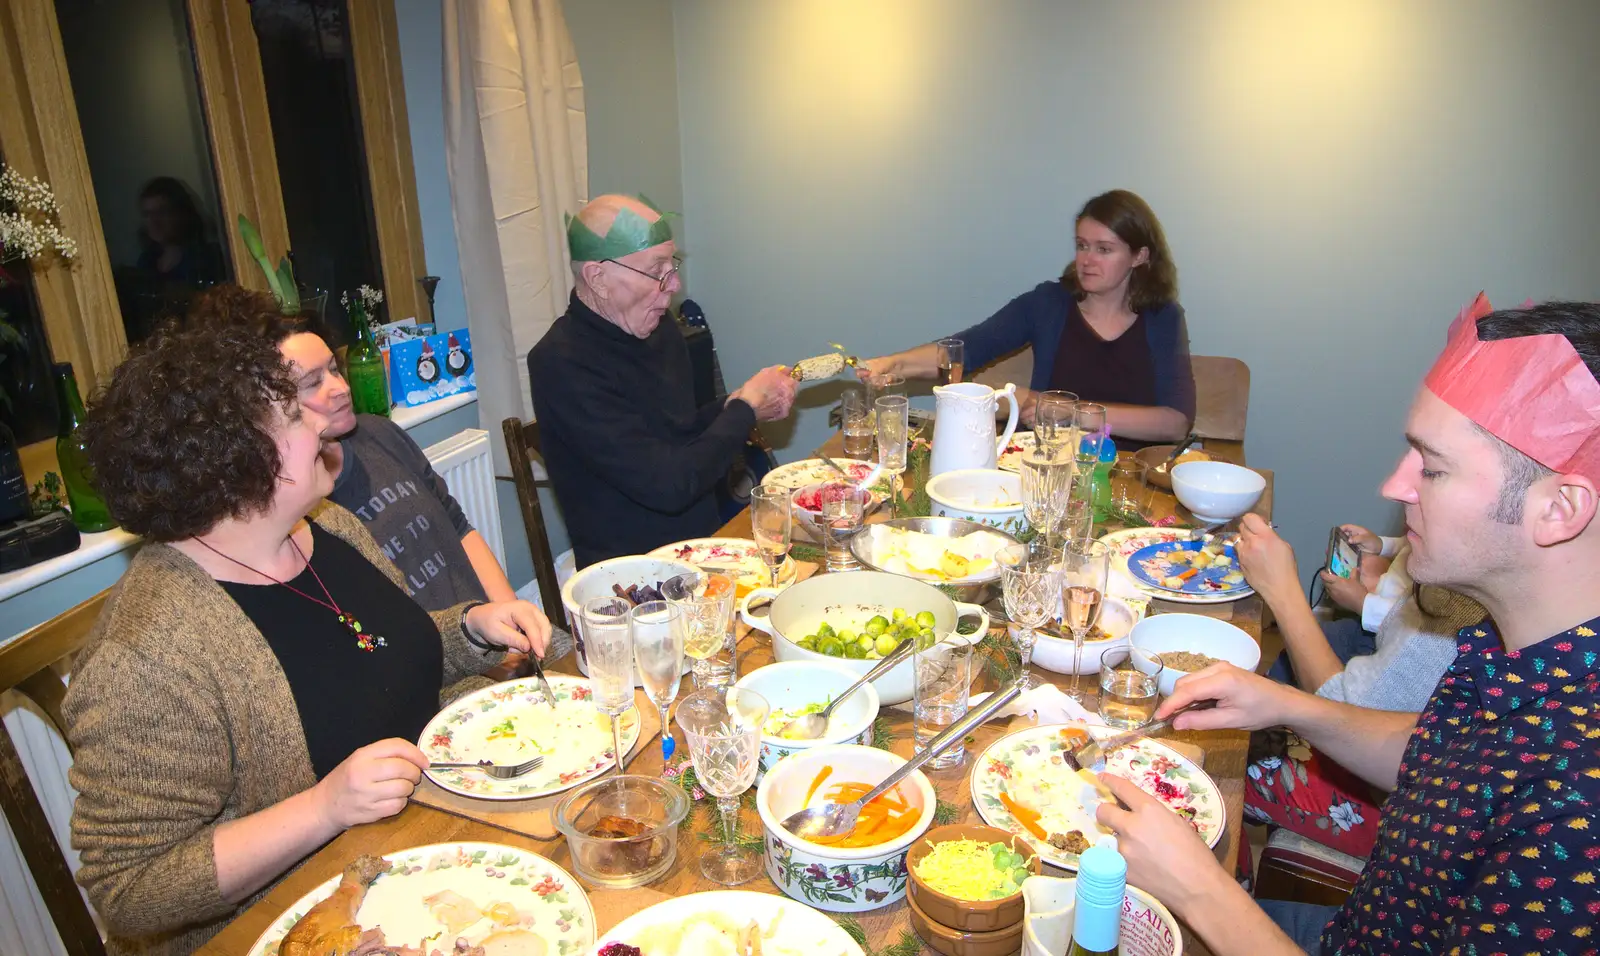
(464, 462)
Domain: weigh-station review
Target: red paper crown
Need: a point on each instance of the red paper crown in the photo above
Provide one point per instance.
(1534, 393)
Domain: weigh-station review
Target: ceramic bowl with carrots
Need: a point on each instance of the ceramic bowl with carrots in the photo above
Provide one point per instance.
(864, 869)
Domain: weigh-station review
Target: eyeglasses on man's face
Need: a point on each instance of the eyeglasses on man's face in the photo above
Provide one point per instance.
(662, 279)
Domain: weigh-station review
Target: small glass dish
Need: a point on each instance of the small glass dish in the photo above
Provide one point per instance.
(612, 805)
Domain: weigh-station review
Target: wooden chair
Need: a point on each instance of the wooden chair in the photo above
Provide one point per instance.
(27, 666)
(522, 445)
(1222, 396)
(1300, 870)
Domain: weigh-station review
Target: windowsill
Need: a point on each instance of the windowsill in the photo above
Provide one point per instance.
(92, 548)
(97, 546)
(409, 418)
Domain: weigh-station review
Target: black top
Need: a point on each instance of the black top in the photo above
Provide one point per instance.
(633, 461)
(389, 484)
(348, 697)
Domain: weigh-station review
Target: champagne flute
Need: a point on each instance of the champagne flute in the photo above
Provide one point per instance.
(1046, 488)
(1085, 571)
(723, 729)
(1030, 581)
(893, 435)
(1089, 420)
(772, 524)
(609, 639)
(657, 631)
(707, 616)
(951, 360)
(1053, 419)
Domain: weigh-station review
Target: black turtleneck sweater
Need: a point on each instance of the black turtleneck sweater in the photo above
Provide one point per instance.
(633, 462)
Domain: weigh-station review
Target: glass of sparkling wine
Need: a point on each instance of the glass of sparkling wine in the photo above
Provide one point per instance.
(1052, 419)
(855, 418)
(952, 360)
(722, 726)
(772, 524)
(608, 640)
(1129, 678)
(707, 615)
(943, 679)
(1085, 570)
(657, 629)
(893, 412)
(844, 507)
(1031, 586)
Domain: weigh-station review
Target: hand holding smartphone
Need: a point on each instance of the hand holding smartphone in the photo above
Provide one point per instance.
(1344, 558)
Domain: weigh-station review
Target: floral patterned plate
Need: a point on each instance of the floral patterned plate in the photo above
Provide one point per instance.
(509, 723)
(470, 891)
(739, 554)
(1124, 544)
(1028, 768)
(706, 923)
(1022, 442)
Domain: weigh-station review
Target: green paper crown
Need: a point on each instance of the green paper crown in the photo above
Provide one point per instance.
(629, 233)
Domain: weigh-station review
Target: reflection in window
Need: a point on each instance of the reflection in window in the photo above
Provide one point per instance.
(27, 394)
(137, 92)
(316, 129)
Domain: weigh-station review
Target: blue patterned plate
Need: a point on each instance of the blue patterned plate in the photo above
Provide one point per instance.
(1170, 566)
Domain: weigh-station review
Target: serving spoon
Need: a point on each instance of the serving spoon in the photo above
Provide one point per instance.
(812, 726)
(832, 819)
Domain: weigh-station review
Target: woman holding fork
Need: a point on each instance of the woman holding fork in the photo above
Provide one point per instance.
(257, 679)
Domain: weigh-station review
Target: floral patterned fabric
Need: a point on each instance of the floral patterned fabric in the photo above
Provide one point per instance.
(1301, 790)
(1491, 842)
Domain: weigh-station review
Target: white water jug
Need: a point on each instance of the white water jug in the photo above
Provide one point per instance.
(963, 426)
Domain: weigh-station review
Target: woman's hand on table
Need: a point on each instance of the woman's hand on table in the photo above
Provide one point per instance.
(1267, 561)
(512, 625)
(1245, 701)
(371, 784)
(1166, 857)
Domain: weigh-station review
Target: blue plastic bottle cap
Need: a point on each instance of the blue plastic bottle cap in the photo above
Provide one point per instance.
(1108, 450)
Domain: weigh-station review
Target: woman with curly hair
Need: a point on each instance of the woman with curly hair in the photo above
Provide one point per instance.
(256, 680)
(1109, 330)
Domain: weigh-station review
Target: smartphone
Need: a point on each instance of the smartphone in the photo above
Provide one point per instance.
(1343, 558)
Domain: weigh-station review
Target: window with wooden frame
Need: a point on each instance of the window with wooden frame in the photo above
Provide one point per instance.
(289, 112)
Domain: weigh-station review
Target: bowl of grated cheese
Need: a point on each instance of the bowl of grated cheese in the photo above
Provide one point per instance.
(956, 881)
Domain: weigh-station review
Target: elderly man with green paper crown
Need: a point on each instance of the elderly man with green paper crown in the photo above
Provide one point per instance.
(632, 460)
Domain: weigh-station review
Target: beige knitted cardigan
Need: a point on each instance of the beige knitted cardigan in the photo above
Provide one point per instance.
(181, 719)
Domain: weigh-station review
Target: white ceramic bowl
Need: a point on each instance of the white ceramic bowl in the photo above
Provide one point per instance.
(1216, 491)
(1197, 633)
(1055, 653)
(596, 581)
(788, 685)
(817, 875)
(1049, 903)
(850, 600)
(985, 495)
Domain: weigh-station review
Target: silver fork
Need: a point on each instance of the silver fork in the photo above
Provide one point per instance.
(499, 771)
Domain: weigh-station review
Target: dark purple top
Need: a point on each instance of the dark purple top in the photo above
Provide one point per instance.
(1118, 370)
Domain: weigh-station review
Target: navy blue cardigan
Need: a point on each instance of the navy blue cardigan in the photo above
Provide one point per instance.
(1036, 318)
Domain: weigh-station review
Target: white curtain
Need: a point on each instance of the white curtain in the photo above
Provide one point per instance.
(518, 156)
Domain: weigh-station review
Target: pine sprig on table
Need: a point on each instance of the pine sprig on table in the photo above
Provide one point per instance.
(883, 733)
(945, 813)
(810, 554)
(1001, 661)
(907, 945)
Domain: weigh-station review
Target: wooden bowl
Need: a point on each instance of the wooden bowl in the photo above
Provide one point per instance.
(953, 942)
(967, 916)
(1156, 456)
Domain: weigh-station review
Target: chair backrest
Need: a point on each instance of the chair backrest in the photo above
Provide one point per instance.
(1222, 396)
(27, 666)
(522, 445)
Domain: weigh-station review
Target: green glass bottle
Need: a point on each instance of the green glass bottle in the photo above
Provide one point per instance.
(369, 383)
(89, 511)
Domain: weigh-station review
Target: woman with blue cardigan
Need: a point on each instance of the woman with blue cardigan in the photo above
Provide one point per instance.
(1110, 329)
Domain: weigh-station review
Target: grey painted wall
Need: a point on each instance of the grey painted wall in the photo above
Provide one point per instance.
(1336, 180)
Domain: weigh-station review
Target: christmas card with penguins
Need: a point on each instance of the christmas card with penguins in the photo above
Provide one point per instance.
(422, 370)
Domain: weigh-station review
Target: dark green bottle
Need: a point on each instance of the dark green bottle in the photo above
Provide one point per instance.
(369, 383)
(89, 511)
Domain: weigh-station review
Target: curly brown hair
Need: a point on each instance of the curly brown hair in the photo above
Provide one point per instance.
(1153, 284)
(182, 438)
(257, 312)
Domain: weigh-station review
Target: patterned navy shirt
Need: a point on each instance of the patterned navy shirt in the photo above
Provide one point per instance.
(1490, 844)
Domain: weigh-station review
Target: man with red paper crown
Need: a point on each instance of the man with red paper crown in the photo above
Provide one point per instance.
(1490, 837)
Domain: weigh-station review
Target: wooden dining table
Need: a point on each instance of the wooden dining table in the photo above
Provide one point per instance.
(434, 816)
